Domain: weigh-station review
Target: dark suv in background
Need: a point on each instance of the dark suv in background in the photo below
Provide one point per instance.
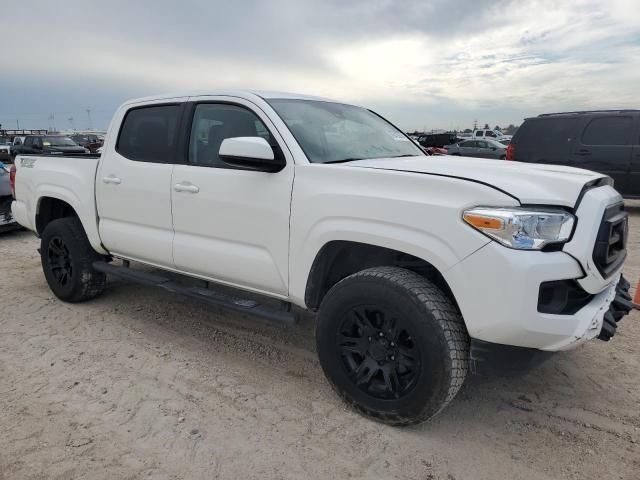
(605, 141)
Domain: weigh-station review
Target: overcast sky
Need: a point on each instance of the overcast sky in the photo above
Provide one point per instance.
(423, 63)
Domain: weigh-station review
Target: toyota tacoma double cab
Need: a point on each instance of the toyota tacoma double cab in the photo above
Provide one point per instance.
(415, 265)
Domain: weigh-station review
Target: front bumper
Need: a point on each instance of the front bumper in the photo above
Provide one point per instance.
(620, 306)
(498, 289)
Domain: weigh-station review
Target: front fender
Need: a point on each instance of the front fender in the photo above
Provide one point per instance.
(417, 214)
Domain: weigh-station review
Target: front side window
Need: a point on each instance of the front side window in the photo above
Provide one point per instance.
(608, 131)
(331, 132)
(149, 134)
(213, 122)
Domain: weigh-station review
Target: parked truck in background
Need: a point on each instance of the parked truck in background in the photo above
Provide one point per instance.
(415, 265)
(490, 133)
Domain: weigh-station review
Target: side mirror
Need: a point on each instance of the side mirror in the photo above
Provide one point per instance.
(494, 148)
(250, 153)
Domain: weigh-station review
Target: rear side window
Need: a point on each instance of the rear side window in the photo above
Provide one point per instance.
(551, 132)
(479, 133)
(608, 131)
(149, 134)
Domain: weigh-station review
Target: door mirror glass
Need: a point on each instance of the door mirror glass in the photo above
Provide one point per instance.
(252, 153)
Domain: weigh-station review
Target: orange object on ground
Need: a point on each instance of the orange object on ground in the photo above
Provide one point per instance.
(636, 298)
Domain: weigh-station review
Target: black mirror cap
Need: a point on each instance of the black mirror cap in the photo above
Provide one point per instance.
(255, 164)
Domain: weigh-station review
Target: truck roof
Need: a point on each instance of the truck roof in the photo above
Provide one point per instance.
(231, 93)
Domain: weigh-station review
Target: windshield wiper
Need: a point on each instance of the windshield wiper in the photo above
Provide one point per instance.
(344, 160)
(405, 155)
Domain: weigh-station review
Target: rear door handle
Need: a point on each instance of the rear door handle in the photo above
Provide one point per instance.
(186, 187)
(584, 153)
(112, 179)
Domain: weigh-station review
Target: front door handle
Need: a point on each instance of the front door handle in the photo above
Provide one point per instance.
(186, 187)
(584, 152)
(112, 179)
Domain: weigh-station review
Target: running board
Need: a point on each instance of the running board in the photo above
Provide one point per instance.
(219, 299)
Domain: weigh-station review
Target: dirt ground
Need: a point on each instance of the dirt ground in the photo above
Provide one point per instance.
(144, 384)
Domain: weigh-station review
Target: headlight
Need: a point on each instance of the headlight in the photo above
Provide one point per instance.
(521, 228)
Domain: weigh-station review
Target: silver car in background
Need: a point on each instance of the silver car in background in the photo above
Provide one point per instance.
(6, 219)
(485, 148)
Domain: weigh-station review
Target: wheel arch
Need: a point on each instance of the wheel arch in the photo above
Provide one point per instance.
(51, 208)
(60, 203)
(338, 259)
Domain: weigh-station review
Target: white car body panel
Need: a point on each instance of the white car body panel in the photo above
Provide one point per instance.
(245, 240)
(396, 210)
(262, 231)
(532, 184)
(134, 203)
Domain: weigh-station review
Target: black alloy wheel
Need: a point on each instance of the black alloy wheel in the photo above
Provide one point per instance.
(378, 352)
(60, 262)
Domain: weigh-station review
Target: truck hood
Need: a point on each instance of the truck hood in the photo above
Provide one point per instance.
(530, 183)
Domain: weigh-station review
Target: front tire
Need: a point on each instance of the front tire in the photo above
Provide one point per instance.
(67, 258)
(392, 345)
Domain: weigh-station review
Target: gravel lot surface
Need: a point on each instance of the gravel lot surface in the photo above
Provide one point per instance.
(141, 383)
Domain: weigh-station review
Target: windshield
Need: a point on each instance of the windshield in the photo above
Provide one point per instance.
(58, 142)
(333, 132)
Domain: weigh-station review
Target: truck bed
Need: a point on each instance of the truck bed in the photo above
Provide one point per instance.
(69, 178)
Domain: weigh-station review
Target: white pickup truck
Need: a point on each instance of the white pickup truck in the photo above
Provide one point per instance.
(490, 133)
(416, 265)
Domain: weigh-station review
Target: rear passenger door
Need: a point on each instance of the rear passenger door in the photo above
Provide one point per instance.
(133, 183)
(468, 148)
(606, 146)
(484, 149)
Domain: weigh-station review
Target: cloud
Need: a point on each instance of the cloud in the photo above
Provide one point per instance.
(434, 64)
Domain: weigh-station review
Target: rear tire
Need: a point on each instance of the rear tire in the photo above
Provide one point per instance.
(392, 345)
(67, 258)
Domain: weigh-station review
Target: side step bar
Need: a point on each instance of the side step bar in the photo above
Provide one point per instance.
(219, 299)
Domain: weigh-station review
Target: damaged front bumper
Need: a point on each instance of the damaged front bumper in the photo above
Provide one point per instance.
(620, 306)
